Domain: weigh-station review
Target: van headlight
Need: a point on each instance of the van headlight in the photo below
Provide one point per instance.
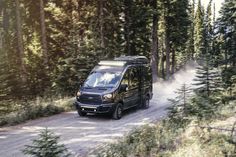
(107, 96)
(78, 94)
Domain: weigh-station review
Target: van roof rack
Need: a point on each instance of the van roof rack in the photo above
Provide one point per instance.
(133, 59)
(125, 60)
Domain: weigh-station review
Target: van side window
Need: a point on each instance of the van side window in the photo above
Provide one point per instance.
(134, 78)
(131, 78)
(147, 74)
(125, 79)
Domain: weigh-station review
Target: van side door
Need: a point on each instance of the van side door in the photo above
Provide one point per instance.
(134, 88)
(126, 95)
(146, 86)
(131, 97)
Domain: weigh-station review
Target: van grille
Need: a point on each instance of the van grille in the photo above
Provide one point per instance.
(90, 99)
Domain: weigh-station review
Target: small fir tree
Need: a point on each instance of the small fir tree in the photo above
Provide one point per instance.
(46, 146)
(208, 91)
(208, 80)
(180, 109)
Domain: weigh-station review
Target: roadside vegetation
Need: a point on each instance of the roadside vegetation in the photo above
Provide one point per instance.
(46, 145)
(12, 113)
(48, 48)
(194, 127)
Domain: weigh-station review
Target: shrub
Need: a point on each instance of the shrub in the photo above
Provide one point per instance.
(145, 141)
(35, 110)
(46, 146)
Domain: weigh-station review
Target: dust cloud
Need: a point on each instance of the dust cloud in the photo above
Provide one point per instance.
(164, 90)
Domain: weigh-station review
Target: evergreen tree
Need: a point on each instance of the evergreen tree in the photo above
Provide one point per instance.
(174, 26)
(179, 24)
(209, 29)
(227, 33)
(46, 146)
(72, 36)
(208, 80)
(199, 48)
(208, 91)
(190, 42)
(180, 106)
(20, 43)
(154, 48)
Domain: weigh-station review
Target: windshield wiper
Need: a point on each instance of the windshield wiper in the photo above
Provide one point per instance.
(102, 88)
(87, 86)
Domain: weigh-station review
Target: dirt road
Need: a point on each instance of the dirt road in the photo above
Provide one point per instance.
(82, 134)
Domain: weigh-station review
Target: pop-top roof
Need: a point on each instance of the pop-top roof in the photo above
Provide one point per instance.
(133, 59)
(125, 60)
(112, 63)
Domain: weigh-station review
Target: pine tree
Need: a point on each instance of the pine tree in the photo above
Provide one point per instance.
(199, 31)
(43, 33)
(20, 41)
(208, 80)
(46, 146)
(180, 106)
(154, 48)
(208, 91)
(226, 33)
(209, 29)
(190, 42)
(179, 24)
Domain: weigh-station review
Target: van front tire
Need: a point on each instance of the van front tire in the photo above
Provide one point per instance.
(117, 114)
(81, 114)
(146, 102)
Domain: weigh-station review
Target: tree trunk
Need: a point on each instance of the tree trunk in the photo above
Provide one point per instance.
(226, 58)
(173, 61)
(154, 50)
(192, 49)
(163, 58)
(184, 92)
(167, 38)
(43, 33)
(127, 10)
(1, 29)
(1, 40)
(101, 21)
(167, 48)
(5, 39)
(20, 42)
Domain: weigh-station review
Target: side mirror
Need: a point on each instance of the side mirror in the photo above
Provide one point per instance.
(124, 88)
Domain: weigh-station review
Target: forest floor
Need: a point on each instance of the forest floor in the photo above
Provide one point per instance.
(83, 134)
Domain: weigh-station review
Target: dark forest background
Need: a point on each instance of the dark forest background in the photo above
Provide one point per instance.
(48, 47)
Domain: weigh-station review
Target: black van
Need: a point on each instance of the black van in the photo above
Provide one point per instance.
(116, 85)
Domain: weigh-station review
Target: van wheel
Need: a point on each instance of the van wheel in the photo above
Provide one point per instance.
(117, 114)
(82, 114)
(146, 103)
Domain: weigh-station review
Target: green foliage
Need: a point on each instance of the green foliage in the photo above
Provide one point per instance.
(165, 139)
(46, 146)
(208, 92)
(229, 79)
(181, 108)
(227, 32)
(144, 141)
(199, 31)
(14, 113)
(208, 80)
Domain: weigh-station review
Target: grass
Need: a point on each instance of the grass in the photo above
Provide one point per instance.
(166, 140)
(21, 112)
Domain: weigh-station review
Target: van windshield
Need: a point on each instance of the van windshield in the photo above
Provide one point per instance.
(102, 78)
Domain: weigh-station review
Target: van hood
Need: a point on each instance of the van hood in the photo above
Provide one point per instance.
(97, 90)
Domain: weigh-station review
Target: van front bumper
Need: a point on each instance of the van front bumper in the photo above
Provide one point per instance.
(101, 108)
